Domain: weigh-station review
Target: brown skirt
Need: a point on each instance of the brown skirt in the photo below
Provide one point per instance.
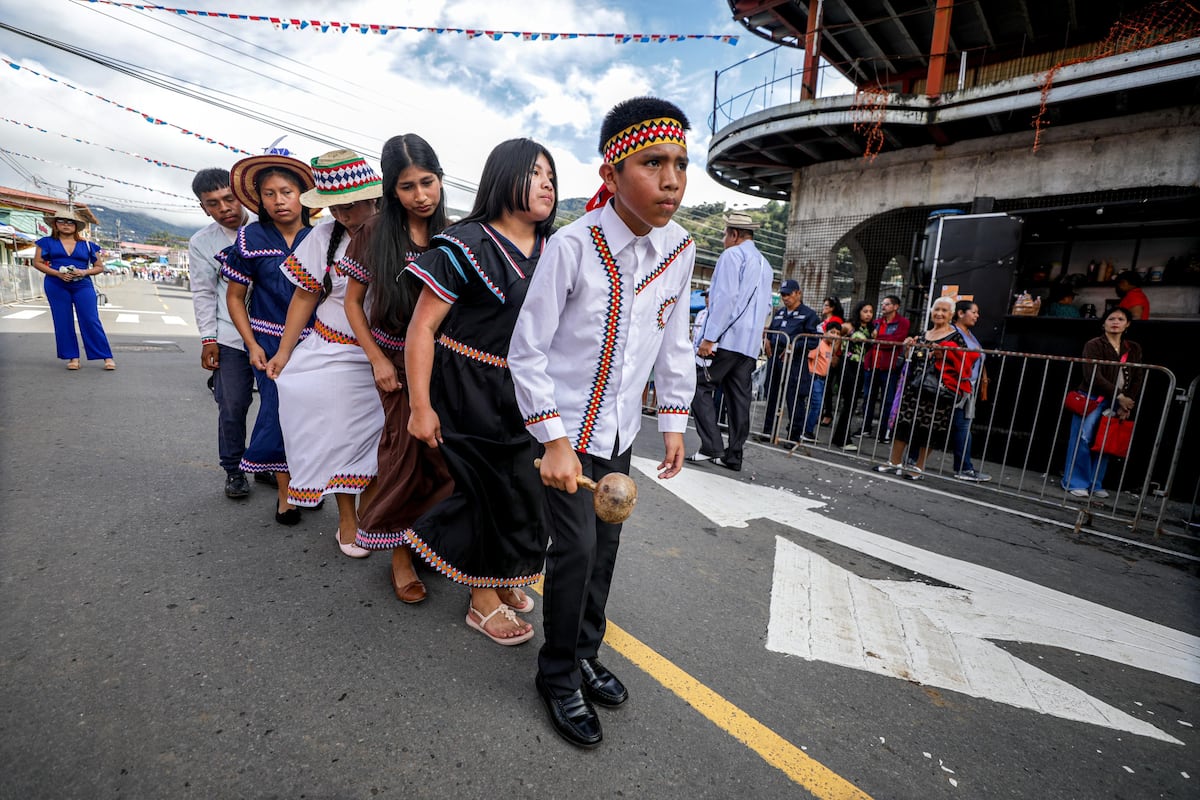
(412, 476)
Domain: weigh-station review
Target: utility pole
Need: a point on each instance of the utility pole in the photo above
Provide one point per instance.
(71, 192)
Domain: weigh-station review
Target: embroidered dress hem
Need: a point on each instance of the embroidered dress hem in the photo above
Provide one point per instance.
(448, 570)
(338, 484)
(256, 466)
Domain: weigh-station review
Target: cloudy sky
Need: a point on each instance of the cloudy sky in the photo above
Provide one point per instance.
(463, 95)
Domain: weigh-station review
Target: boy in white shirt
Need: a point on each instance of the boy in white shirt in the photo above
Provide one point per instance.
(608, 302)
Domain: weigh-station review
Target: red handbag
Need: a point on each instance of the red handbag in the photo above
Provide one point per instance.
(1079, 403)
(1112, 436)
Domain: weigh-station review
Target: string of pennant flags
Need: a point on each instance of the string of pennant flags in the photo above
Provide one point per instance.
(143, 115)
(156, 162)
(323, 26)
(93, 174)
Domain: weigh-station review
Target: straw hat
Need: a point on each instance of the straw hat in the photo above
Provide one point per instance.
(246, 171)
(741, 220)
(71, 215)
(342, 177)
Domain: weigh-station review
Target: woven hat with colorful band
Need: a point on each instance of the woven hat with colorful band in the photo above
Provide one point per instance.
(342, 177)
(646, 133)
(244, 173)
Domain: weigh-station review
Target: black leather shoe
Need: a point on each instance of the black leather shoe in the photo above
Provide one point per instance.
(289, 517)
(236, 485)
(601, 686)
(266, 477)
(572, 716)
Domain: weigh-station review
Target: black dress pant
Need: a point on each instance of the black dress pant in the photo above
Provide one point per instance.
(732, 372)
(579, 570)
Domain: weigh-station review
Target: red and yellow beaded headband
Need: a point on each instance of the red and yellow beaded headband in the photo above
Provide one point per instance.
(642, 135)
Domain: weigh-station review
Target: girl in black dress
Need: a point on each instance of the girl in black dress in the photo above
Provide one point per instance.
(488, 534)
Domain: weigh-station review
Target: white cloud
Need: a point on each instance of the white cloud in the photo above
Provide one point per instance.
(463, 96)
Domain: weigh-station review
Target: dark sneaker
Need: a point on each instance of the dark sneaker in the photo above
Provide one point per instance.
(266, 477)
(973, 476)
(236, 485)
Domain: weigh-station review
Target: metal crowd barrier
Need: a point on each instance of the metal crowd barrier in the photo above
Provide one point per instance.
(20, 283)
(1019, 434)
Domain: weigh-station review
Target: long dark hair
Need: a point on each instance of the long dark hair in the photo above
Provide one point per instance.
(292, 178)
(836, 308)
(393, 292)
(504, 184)
(856, 315)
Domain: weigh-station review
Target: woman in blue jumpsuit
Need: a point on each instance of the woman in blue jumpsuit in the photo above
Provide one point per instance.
(68, 263)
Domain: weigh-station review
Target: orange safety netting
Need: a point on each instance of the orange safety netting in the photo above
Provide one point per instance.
(1156, 24)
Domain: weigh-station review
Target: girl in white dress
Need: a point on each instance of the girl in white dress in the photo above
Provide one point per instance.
(329, 409)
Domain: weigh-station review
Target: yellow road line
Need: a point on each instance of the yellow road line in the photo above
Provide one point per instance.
(814, 776)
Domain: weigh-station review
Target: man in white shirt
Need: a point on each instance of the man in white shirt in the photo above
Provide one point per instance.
(739, 303)
(222, 351)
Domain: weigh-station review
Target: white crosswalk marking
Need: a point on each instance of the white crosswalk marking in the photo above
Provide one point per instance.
(169, 320)
(128, 318)
(933, 635)
(28, 313)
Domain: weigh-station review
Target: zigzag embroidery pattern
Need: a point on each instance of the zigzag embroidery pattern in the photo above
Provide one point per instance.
(471, 352)
(340, 178)
(387, 340)
(541, 416)
(273, 328)
(662, 309)
(263, 466)
(337, 483)
(299, 274)
(612, 323)
(673, 410)
(332, 334)
(475, 263)
(242, 251)
(641, 135)
(447, 569)
(662, 266)
(352, 269)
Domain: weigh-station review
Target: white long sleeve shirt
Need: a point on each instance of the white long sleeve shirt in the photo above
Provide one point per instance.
(209, 285)
(604, 307)
(739, 300)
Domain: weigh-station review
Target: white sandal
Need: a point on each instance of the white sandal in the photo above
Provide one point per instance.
(505, 612)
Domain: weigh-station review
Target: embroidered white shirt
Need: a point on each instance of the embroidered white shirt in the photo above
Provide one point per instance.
(209, 285)
(605, 307)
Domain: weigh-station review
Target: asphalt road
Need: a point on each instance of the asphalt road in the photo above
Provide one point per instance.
(160, 641)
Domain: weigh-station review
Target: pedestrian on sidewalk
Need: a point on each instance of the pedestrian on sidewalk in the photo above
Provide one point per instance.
(966, 314)
(884, 360)
(69, 260)
(858, 332)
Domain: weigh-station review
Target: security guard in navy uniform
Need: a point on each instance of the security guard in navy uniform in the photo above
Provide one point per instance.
(792, 319)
